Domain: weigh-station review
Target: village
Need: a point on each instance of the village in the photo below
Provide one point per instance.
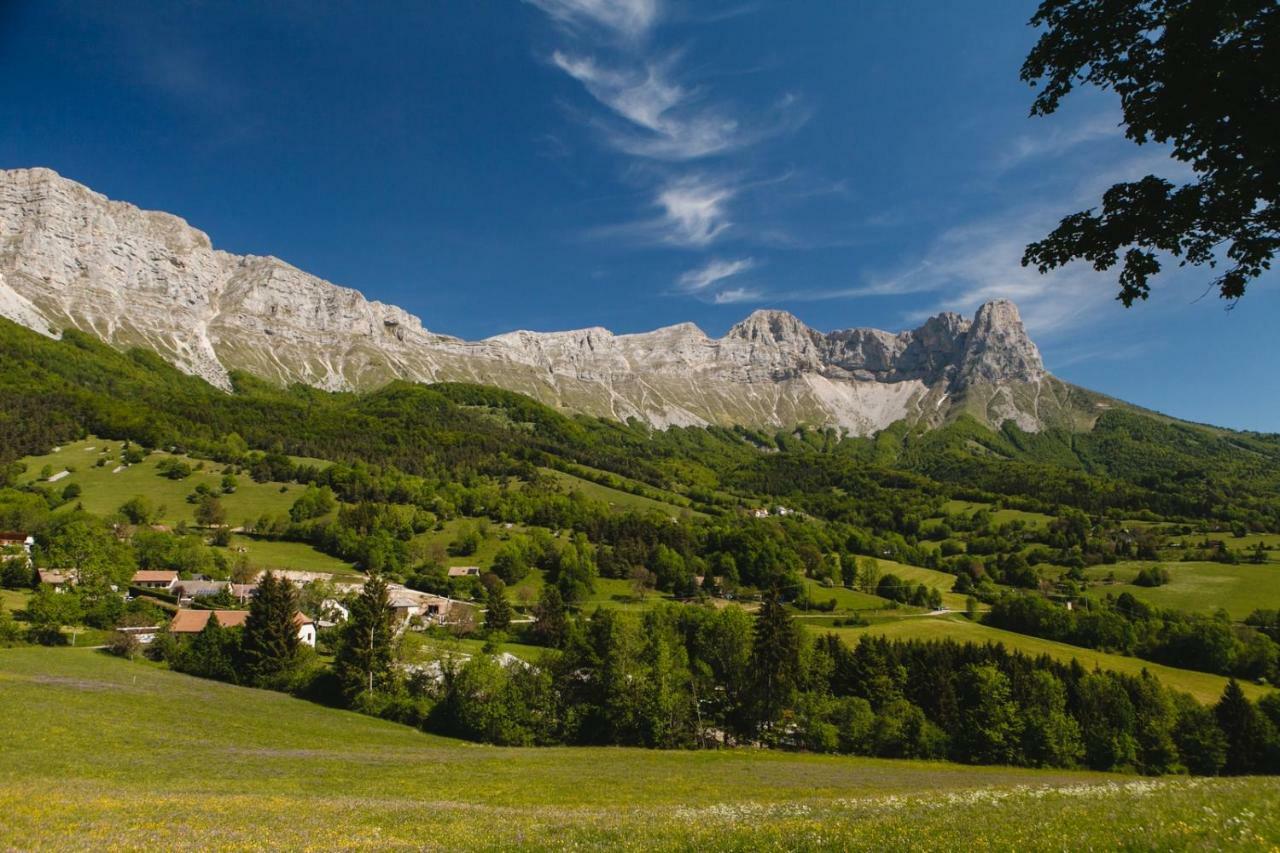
(192, 603)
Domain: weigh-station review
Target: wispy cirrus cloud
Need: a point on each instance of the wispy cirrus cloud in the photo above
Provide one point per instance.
(660, 117)
(629, 19)
(1061, 139)
(695, 211)
(713, 271)
(648, 108)
(738, 295)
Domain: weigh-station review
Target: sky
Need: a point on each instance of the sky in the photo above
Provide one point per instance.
(492, 165)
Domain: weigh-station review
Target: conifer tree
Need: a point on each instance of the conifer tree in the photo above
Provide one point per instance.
(270, 645)
(497, 615)
(775, 659)
(363, 660)
(550, 617)
(1245, 730)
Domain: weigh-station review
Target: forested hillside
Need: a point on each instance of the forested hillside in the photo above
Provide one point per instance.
(598, 548)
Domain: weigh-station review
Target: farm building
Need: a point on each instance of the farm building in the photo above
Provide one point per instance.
(155, 579)
(187, 623)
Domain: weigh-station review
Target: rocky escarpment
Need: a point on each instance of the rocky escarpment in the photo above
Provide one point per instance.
(71, 258)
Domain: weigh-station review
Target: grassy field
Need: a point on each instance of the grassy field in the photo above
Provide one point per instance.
(104, 491)
(1203, 587)
(112, 749)
(999, 516)
(941, 581)
(268, 554)
(1202, 685)
(615, 497)
(846, 599)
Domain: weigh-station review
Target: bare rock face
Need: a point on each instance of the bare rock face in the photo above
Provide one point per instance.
(71, 258)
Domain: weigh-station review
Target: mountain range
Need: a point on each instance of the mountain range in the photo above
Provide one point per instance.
(72, 258)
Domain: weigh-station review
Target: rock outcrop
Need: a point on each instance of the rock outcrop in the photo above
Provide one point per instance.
(71, 258)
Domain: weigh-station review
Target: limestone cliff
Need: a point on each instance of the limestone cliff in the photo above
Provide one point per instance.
(70, 257)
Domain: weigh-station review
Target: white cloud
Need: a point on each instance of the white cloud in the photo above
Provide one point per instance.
(738, 294)
(1058, 140)
(665, 120)
(629, 19)
(694, 210)
(713, 271)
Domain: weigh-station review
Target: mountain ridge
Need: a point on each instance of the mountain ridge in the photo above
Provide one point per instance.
(72, 258)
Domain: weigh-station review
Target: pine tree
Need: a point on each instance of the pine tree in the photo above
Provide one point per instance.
(497, 615)
(270, 645)
(775, 660)
(1245, 729)
(550, 617)
(363, 660)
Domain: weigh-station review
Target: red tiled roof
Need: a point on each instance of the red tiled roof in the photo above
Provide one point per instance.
(194, 621)
(152, 576)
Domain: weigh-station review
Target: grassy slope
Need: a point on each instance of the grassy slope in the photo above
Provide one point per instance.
(614, 497)
(127, 755)
(104, 492)
(1197, 586)
(1205, 687)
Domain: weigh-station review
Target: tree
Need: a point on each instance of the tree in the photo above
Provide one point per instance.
(1245, 730)
(992, 728)
(497, 614)
(48, 611)
(270, 646)
(775, 659)
(868, 574)
(365, 646)
(210, 654)
(551, 620)
(1200, 77)
(138, 509)
(210, 512)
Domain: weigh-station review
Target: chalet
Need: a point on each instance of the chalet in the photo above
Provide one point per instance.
(154, 579)
(60, 580)
(14, 545)
(188, 623)
(464, 571)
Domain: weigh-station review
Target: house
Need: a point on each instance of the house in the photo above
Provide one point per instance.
(60, 579)
(243, 592)
(409, 603)
(154, 579)
(188, 590)
(464, 571)
(14, 545)
(760, 513)
(188, 623)
(333, 612)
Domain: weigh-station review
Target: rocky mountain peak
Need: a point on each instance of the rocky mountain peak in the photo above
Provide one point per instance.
(769, 326)
(72, 258)
(998, 348)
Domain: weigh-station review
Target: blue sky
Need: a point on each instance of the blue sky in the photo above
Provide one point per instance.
(551, 164)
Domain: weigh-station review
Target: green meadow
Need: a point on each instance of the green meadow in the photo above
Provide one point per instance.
(1197, 586)
(103, 489)
(101, 754)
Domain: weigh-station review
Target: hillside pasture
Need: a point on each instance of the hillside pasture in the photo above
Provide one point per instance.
(1196, 586)
(94, 736)
(104, 489)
